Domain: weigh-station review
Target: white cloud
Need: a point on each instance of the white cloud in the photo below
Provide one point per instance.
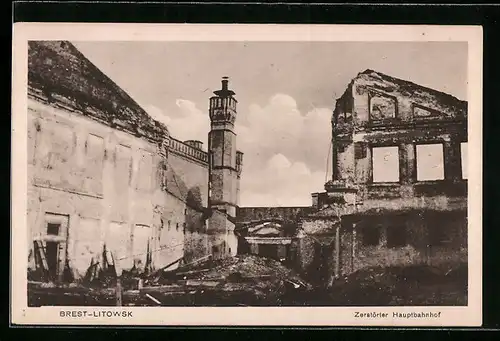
(186, 123)
(191, 123)
(285, 150)
(280, 183)
(157, 114)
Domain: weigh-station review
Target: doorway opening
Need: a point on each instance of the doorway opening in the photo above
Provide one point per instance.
(55, 234)
(268, 251)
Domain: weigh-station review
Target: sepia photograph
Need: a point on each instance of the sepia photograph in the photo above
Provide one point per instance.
(247, 173)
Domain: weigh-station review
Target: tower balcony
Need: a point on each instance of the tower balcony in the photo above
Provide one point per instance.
(223, 103)
(222, 106)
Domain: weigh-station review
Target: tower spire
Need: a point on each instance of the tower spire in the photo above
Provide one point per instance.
(224, 91)
(225, 81)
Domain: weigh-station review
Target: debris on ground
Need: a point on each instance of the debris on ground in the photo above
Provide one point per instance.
(244, 280)
(249, 280)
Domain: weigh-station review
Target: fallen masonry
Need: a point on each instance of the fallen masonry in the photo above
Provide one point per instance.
(255, 281)
(244, 280)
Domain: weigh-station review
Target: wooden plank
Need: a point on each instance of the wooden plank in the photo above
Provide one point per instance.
(202, 283)
(153, 299)
(165, 267)
(162, 288)
(184, 273)
(41, 253)
(118, 292)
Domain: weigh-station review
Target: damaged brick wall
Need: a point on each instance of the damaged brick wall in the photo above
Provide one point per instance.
(187, 181)
(414, 238)
(316, 247)
(108, 186)
(105, 173)
(380, 252)
(189, 178)
(398, 239)
(222, 239)
(418, 115)
(381, 113)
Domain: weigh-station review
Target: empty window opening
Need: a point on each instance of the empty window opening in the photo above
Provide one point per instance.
(56, 226)
(465, 160)
(382, 107)
(371, 236)
(360, 150)
(396, 236)
(430, 162)
(385, 164)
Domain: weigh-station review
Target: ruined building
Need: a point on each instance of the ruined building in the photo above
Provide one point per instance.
(398, 193)
(104, 178)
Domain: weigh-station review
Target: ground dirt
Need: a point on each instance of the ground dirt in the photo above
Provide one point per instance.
(418, 285)
(255, 281)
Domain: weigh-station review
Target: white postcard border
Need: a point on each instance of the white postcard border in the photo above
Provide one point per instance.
(470, 315)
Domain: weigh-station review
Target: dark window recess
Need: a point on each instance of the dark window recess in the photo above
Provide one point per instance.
(360, 150)
(53, 229)
(341, 148)
(268, 251)
(371, 236)
(396, 236)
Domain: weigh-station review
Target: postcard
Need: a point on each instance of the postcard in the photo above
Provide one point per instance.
(247, 175)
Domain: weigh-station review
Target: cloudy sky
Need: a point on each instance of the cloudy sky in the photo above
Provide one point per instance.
(286, 92)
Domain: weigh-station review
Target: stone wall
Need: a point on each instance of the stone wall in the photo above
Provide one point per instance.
(394, 239)
(251, 214)
(380, 111)
(108, 188)
(419, 245)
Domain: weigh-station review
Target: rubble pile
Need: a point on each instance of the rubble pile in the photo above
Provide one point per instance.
(244, 280)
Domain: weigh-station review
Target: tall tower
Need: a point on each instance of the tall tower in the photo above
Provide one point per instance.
(222, 151)
(225, 168)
